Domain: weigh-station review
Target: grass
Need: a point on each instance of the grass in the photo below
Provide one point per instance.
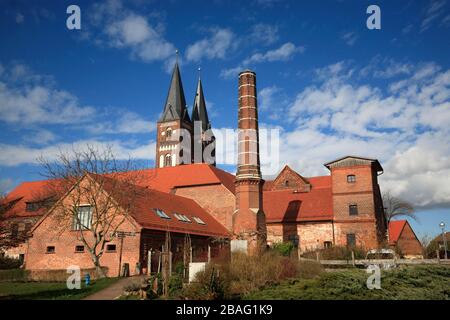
(407, 283)
(49, 290)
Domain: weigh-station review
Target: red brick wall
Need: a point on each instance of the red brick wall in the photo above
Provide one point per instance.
(364, 194)
(408, 242)
(311, 235)
(55, 230)
(287, 179)
(217, 200)
(365, 233)
(49, 233)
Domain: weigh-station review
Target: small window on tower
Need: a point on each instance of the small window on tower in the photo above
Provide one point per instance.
(353, 210)
(351, 178)
(168, 133)
(327, 244)
(286, 183)
(168, 161)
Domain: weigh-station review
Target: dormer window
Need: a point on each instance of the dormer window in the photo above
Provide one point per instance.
(351, 178)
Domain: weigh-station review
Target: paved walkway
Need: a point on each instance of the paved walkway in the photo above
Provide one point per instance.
(115, 290)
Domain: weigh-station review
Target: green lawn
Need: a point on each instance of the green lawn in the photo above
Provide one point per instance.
(407, 283)
(50, 290)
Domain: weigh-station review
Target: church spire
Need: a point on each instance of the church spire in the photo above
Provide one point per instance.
(175, 107)
(199, 112)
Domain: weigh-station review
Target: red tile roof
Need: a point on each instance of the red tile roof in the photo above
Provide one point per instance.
(287, 206)
(142, 201)
(27, 192)
(395, 230)
(320, 181)
(161, 179)
(165, 179)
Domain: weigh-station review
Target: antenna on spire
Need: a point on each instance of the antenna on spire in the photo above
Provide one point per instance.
(177, 53)
(199, 73)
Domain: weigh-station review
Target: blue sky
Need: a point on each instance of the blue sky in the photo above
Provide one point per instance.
(329, 84)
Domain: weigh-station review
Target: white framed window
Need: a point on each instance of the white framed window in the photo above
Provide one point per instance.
(182, 217)
(82, 220)
(161, 214)
(198, 220)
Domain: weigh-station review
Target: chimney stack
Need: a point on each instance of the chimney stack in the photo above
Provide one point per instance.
(249, 218)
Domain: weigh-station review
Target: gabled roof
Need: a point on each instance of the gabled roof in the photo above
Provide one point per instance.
(24, 193)
(175, 106)
(395, 230)
(160, 179)
(352, 161)
(199, 112)
(144, 201)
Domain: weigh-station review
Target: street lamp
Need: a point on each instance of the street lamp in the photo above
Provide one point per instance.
(444, 238)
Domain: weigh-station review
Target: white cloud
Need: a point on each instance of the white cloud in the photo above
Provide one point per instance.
(433, 12)
(40, 137)
(284, 53)
(265, 34)
(28, 100)
(350, 38)
(215, 46)
(404, 125)
(33, 100)
(125, 29)
(15, 155)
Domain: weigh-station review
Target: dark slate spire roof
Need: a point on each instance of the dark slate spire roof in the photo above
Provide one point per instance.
(199, 112)
(175, 107)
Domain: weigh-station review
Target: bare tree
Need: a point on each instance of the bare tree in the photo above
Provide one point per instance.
(396, 207)
(96, 195)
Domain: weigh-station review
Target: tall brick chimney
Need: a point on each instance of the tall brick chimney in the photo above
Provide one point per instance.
(249, 221)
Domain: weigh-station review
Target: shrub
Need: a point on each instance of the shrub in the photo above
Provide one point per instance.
(155, 288)
(309, 269)
(13, 275)
(9, 263)
(210, 284)
(175, 285)
(283, 248)
(245, 274)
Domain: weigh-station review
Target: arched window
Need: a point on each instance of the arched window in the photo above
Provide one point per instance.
(168, 160)
(168, 134)
(351, 178)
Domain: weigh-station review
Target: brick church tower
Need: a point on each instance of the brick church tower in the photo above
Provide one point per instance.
(249, 218)
(204, 139)
(177, 136)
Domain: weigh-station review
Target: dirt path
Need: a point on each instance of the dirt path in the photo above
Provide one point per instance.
(113, 291)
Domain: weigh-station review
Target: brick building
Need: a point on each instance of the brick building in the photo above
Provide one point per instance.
(338, 209)
(403, 238)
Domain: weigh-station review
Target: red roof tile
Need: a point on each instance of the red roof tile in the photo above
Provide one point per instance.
(165, 179)
(27, 192)
(144, 200)
(285, 205)
(395, 230)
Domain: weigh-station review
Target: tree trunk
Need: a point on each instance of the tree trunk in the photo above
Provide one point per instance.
(98, 269)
